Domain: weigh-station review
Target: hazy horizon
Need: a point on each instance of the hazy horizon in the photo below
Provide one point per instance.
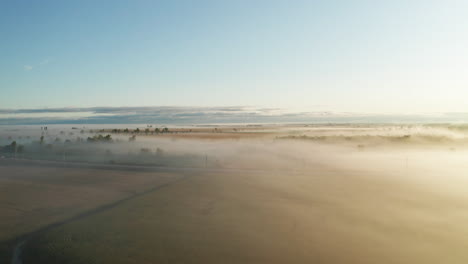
(306, 56)
(209, 115)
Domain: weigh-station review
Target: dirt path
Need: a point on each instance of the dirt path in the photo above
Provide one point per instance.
(16, 259)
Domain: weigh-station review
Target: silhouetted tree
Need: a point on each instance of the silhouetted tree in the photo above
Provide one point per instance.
(145, 151)
(13, 146)
(20, 149)
(159, 152)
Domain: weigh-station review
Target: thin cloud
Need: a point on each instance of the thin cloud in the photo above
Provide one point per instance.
(29, 67)
(45, 62)
(205, 115)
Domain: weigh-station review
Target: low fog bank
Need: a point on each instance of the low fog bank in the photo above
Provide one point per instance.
(281, 147)
(255, 154)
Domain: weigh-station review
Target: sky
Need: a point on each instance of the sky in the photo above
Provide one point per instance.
(358, 56)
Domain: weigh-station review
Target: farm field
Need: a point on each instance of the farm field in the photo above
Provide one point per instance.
(37, 194)
(322, 216)
(291, 194)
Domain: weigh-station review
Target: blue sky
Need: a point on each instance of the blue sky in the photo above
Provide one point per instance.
(355, 56)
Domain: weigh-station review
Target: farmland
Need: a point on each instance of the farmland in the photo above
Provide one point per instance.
(328, 194)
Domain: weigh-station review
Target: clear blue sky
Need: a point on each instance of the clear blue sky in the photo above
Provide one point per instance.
(359, 56)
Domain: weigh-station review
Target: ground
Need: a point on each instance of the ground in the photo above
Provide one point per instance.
(287, 201)
(37, 194)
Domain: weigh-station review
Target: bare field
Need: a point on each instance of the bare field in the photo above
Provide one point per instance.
(288, 194)
(322, 216)
(34, 195)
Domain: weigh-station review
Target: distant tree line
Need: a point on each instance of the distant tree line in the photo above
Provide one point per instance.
(138, 131)
(100, 138)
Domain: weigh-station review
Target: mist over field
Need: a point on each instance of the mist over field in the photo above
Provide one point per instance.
(274, 146)
(262, 193)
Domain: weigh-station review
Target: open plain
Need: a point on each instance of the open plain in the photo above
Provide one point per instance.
(375, 194)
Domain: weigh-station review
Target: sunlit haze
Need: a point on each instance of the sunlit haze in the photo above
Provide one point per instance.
(340, 56)
(233, 131)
